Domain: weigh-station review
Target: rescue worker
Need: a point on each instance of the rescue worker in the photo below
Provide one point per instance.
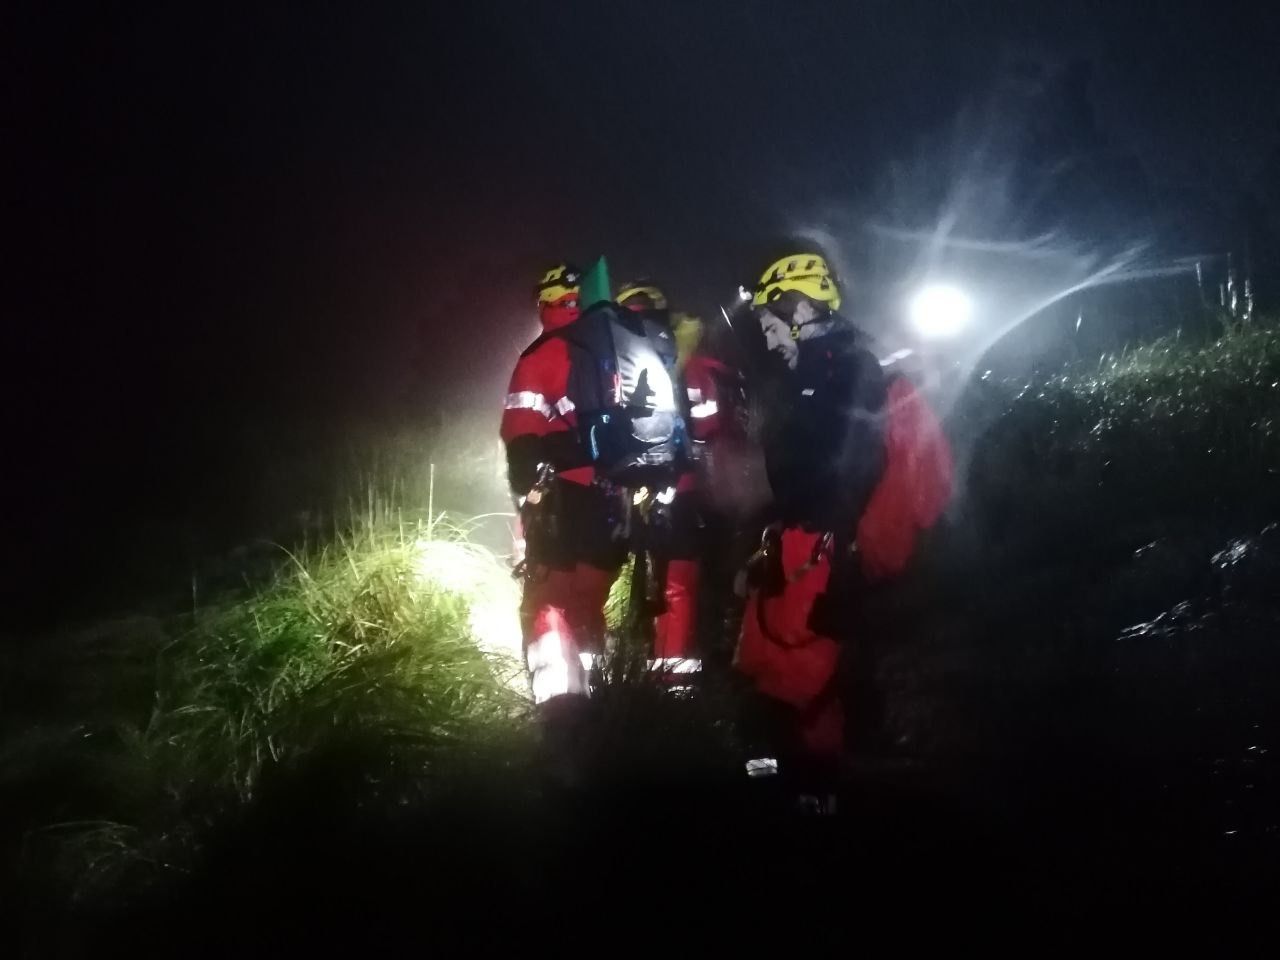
(717, 403)
(858, 465)
(725, 465)
(666, 532)
(569, 522)
(824, 454)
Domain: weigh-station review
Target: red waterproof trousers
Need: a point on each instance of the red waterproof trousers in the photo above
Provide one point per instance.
(786, 659)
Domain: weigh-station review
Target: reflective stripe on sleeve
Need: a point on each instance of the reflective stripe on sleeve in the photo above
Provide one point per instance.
(708, 408)
(528, 400)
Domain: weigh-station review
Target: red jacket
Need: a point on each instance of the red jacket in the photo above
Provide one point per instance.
(710, 409)
(539, 424)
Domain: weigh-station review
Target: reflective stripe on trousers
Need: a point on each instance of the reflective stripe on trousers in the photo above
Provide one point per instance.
(553, 670)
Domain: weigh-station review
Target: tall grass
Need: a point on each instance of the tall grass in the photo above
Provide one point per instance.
(1165, 430)
(385, 659)
(377, 677)
(372, 638)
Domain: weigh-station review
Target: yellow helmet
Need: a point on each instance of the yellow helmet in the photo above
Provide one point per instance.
(806, 273)
(560, 281)
(645, 293)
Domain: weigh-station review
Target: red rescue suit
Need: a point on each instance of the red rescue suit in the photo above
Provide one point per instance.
(788, 659)
(675, 627)
(571, 571)
(853, 511)
(711, 413)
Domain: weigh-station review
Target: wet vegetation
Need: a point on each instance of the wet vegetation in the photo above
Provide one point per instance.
(364, 671)
(1089, 646)
(1071, 690)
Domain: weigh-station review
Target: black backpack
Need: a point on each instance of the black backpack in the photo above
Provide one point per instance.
(623, 388)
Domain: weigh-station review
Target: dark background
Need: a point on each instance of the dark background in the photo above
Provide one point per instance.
(241, 230)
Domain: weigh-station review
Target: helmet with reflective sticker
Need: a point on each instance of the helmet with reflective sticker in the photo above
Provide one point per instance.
(559, 282)
(806, 273)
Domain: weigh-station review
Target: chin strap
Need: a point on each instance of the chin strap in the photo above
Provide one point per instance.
(818, 328)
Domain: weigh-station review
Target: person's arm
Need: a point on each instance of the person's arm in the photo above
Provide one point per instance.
(861, 466)
(705, 402)
(862, 459)
(538, 425)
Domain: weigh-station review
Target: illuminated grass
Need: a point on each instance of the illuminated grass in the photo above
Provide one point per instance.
(387, 660)
(1163, 430)
(372, 638)
(1169, 378)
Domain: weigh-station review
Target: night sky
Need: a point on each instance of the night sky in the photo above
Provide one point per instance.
(226, 217)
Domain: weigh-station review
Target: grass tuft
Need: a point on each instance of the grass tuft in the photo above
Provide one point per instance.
(386, 659)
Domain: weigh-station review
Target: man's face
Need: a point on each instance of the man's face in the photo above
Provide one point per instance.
(559, 313)
(777, 337)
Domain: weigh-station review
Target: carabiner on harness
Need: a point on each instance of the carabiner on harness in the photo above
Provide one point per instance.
(764, 570)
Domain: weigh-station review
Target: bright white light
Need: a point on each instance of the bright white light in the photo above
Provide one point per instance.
(492, 597)
(940, 311)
